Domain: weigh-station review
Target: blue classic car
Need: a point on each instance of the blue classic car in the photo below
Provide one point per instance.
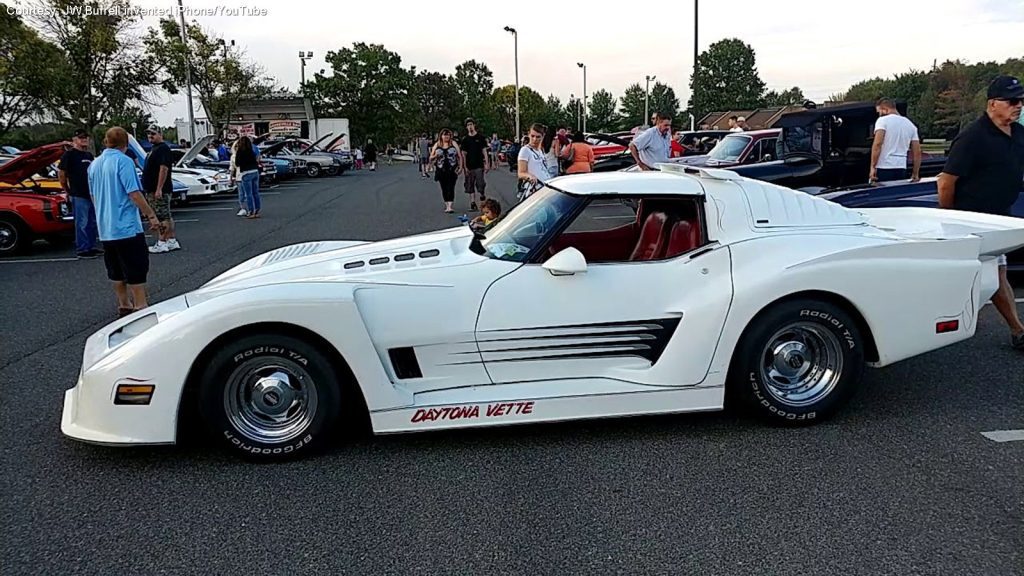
(923, 194)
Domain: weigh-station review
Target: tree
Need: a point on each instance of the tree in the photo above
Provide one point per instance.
(437, 99)
(601, 116)
(791, 97)
(532, 108)
(726, 79)
(107, 70)
(222, 77)
(954, 102)
(663, 99)
(554, 113)
(571, 113)
(632, 104)
(32, 73)
(474, 84)
(368, 86)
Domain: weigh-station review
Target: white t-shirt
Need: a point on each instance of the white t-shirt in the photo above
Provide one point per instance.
(899, 133)
(535, 164)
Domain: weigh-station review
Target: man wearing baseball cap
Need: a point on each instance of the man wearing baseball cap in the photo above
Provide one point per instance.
(73, 172)
(985, 173)
(157, 185)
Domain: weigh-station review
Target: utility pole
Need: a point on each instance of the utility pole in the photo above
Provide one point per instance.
(188, 77)
(647, 98)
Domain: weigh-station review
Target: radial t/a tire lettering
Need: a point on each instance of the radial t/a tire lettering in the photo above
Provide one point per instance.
(270, 397)
(798, 362)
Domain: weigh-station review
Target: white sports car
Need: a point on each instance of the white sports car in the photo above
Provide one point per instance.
(600, 295)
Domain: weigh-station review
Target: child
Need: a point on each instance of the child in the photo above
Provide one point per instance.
(490, 210)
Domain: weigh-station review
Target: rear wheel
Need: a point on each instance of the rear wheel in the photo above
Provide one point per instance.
(798, 362)
(313, 170)
(15, 237)
(270, 397)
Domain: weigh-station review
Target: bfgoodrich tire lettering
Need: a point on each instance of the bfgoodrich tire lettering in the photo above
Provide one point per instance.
(798, 362)
(270, 397)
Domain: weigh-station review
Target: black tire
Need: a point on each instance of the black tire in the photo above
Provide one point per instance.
(313, 170)
(231, 408)
(15, 237)
(809, 338)
(333, 170)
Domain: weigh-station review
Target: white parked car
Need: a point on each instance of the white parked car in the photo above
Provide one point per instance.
(600, 295)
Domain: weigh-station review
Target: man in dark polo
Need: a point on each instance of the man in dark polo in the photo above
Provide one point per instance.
(985, 173)
(73, 172)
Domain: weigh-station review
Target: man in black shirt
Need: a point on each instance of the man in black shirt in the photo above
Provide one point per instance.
(475, 162)
(985, 173)
(157, 186)
(73, 172)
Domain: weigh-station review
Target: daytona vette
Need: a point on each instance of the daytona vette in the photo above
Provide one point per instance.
(599, 295)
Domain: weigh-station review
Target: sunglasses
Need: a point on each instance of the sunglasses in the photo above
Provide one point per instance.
(1012, 101)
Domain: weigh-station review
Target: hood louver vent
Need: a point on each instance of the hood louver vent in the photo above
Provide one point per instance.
(290, 252)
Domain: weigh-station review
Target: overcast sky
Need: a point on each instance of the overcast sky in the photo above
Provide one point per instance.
(822, 47)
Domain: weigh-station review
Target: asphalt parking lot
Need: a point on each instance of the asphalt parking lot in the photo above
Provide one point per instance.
(902, 482)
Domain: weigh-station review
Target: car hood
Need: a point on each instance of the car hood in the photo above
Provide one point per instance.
(380, 262)
(196, 148)
(25, 165)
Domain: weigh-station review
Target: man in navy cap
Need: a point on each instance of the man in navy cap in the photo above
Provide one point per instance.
(985, 173)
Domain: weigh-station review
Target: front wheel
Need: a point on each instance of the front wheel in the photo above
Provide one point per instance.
(270, 397)
(798, 362)
(313, 170)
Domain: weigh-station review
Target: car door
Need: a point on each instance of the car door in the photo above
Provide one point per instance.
(649, 311)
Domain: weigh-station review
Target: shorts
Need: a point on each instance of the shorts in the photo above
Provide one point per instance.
(162, 206)
(424, 160)
(127, 259)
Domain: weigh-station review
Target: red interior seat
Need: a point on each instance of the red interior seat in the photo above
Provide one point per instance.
(652, 238)
(685, 236)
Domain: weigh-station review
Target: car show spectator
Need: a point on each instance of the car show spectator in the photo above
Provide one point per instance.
(447, 163)
(490, 211)
(370, 154)
(246, 164)
(495, 144)
(358, 154)
(552, 149)
(533, 169)
(894, 135)
(118, 197)
(578, 156)
(741, 121)
(423, 145)
(653, 146)
(157, 186)
(983, 173)
(734, 124)
(73, 173)
(475, 163)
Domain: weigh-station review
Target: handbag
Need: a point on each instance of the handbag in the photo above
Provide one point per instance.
(568, 160)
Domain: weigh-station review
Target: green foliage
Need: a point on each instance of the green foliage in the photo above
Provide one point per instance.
(632, 106)
(726, 79)
(32, 73)
(601, 113)
(532, 108)
(791, 97)
(663, 100)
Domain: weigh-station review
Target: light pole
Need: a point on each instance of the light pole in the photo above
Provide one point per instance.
(303, 56)
(582, 65)
(647, 99)
(188, 76)
(515, 37)
(577, 111)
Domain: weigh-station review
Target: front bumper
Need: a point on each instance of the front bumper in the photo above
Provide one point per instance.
(72, 427)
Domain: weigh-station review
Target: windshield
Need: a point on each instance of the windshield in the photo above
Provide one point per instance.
(729, 148)
(521, 230)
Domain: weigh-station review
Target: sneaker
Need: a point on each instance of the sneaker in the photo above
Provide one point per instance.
(87, 255)
(159, 248)
(172, 244)
(242, 212)
(472, 207)
(1017, 341)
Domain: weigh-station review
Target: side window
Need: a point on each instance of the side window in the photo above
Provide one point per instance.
(768, 146)
(632, 230)
(755, 153)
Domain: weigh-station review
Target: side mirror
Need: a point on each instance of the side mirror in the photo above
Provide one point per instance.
(566, 263)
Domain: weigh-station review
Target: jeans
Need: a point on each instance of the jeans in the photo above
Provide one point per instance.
(249, 189)
(87, 236)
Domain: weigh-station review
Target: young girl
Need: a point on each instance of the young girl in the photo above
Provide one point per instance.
(490, 210)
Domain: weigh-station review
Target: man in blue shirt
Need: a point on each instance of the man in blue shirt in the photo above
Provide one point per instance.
(654, 145)
(117, 194)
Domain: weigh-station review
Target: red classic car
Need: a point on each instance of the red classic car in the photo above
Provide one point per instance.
(29, 211)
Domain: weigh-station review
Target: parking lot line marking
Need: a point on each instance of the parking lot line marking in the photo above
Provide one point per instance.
(1004, 435)
(187, 220)
(32, 260)
(203, 209)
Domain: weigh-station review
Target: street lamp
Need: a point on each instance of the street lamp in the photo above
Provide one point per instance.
(581, 65)
(515, 36)
(647, 98)
(577, 111)
(303, 56)
(188, 76)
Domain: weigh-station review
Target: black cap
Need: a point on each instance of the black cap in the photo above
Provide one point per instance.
(469, 121)
(153, 129)
(1005, 87)
(81, 133)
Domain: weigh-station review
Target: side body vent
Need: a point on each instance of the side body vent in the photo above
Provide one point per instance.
(404, 362)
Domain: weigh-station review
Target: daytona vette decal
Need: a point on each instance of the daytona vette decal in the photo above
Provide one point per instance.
(494, 410)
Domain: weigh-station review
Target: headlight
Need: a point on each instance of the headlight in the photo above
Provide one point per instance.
(221, 176)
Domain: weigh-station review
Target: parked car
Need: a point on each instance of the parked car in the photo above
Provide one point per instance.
(316, 163)
(28, 212)
(924, 194)
(600, 295)
(196, 184)
(738, 148)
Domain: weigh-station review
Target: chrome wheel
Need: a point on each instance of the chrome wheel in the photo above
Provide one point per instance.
(801, 364)
(270, 400)
(8, 236)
